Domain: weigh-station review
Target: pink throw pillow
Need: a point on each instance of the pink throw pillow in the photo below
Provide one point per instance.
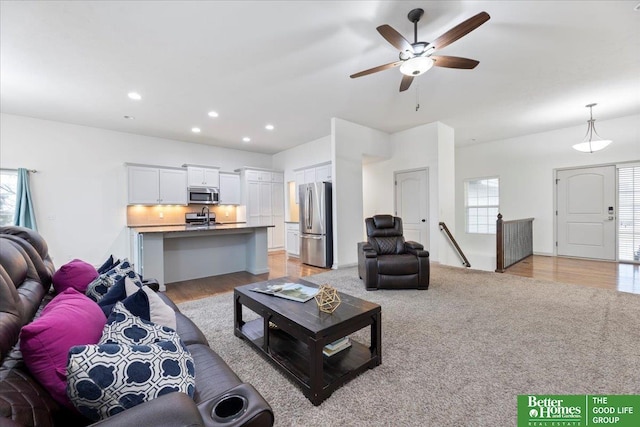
(70, 319)
(75, 274)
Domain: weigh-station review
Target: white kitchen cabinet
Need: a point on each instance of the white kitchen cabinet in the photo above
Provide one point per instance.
(323, 173)
(309, 175)
(262, 193)
(312, 174)
(229, 188)
(149, 185)
(257, 175)
(293, 239)
(203, 177)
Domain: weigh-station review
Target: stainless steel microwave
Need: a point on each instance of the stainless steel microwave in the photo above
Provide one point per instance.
(204, 196)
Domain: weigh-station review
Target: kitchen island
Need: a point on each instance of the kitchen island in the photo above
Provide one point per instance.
(175, 253)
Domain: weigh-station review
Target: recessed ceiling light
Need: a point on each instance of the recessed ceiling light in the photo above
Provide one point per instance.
(195, 130)
(129, 117)
(135, 96)
(269, 127)
(212, 114)
(246, 139)
(637, 8)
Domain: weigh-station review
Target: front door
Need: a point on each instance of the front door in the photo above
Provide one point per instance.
(586, 212)
(412, 204)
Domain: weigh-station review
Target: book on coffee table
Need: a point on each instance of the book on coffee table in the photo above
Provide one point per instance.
(336, 346)
(292, 291)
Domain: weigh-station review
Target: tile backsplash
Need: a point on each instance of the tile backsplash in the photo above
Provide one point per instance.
(171, 215)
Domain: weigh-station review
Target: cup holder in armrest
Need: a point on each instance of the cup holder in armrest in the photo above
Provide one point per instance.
(229, 408)
(236, 407)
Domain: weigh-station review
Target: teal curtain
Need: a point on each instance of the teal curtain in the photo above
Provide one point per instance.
(24, 215)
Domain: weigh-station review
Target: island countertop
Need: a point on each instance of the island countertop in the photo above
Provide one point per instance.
(186, 228)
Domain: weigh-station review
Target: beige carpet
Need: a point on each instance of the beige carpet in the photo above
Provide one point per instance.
(457, 354)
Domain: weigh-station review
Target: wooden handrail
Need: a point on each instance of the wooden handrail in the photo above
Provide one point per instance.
(444, 228)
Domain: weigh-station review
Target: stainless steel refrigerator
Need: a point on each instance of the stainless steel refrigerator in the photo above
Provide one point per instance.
(316, 234)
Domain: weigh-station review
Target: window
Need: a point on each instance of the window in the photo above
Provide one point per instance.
(482, 203)
(629, 213)
(8, 186)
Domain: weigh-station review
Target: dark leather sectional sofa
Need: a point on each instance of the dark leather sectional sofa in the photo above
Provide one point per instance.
(221, 398)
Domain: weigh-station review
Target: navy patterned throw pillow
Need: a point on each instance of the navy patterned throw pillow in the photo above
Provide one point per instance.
(134, 361)
(124, 328)
(100, 286)
(106, 379)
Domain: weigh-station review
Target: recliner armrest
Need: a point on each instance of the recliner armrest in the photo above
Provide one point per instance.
(170, 410)
(370, 254)
(415, 248)
(366, 246)
(239, 406)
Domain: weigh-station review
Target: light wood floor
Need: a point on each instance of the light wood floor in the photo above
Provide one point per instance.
(279, 265)
(599, 274)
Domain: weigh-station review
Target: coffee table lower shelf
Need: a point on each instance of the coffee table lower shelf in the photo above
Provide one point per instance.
(294, 356)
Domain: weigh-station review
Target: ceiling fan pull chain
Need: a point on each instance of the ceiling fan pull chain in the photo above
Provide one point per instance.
(417, 97)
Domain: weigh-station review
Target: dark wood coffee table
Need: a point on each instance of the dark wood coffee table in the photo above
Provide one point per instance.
(299, 331)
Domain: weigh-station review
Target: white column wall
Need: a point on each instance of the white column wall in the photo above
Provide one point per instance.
(80, 190)
(350, 143)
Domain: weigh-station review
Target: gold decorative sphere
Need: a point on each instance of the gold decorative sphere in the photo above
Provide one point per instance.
(327, 298)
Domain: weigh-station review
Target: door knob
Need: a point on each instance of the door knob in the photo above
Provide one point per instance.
(424, 220)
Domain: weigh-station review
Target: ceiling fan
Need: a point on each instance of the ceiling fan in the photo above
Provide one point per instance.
(417, 57)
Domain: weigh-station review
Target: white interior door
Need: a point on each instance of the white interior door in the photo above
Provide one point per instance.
(412, 204)
(586, 212)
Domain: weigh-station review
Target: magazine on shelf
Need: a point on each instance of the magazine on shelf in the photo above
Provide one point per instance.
(336, 346)
(292, 291)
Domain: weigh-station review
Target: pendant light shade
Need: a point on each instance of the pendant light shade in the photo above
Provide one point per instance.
(592, 141)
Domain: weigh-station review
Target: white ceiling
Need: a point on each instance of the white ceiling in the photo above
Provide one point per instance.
(288, 63)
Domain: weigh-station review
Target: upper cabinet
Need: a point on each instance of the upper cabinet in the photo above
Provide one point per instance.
(318, 173)
(229, 188)
(199, 176)
(150, 185)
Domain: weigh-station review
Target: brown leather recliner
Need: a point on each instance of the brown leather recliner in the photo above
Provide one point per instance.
(387, 261)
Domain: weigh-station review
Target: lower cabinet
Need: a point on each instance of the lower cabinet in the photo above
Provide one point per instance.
(293, 239)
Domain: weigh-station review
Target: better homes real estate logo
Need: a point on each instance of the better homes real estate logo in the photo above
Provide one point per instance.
(578, 410)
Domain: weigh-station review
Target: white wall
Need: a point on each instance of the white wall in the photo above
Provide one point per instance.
(350, 144)
(80, 190)
(525, 166)
(426, 146)
(301, 156)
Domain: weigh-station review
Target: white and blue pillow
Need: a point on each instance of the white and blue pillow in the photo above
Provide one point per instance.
(140, 300)
(97, 289)
(123, 327)
(134, 361)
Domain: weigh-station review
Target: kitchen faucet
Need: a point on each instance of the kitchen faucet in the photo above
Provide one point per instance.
(208, 213)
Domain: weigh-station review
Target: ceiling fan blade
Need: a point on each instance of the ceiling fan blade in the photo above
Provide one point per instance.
(461, 30)
(394, 37)
(376, 69)
(454, 62)
(406, 82)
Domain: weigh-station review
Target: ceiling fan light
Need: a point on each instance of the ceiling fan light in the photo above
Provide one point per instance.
(416, 66)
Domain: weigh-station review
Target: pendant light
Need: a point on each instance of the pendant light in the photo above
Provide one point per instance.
(592, 143)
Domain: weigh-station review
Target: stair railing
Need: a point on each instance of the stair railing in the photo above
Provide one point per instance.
(514, 241)
(453, 242)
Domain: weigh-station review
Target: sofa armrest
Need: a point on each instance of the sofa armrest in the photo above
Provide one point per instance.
(415, 248)
(240, 406)
(170, 410)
